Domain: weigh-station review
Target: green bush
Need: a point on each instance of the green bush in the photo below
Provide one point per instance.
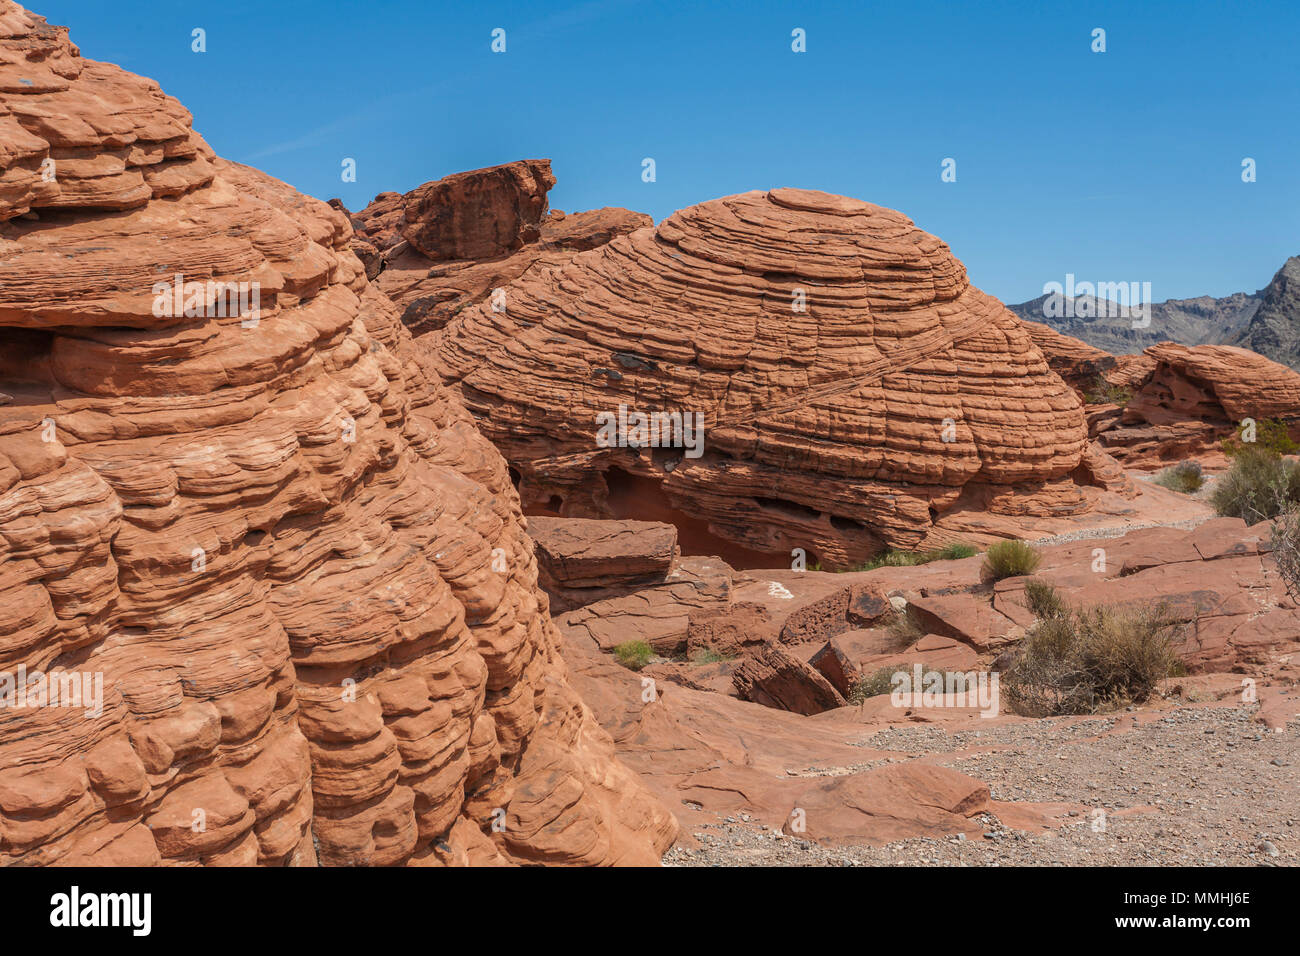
(1083, 661)
(1007, 559)
(894, 558)
(1185, 477)
(1271, 435)
(634, 655)
(1259, 485)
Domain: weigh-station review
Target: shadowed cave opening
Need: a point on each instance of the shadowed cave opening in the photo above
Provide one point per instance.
(25, 354)
(635, 498)
(643, 499)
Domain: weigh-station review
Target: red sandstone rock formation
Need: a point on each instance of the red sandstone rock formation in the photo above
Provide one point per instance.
(855, 388)
(581, 562)
(1184, 399)
(1173, 401)
(447, 244)
(776, 678)
(1077, 362)
(300, 571)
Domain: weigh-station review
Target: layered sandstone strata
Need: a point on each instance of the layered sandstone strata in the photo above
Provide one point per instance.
(1182, 400)
(1077, 362)
(448, 244)
(854, 388)
(254, 514)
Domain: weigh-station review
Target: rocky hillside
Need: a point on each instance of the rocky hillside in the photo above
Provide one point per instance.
(1274, 329)
(1109, 326)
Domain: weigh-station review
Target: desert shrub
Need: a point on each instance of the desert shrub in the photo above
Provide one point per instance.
(1259, 485)
(707, 655)
(1185, 477)
(1043, 600)
(1083, 661)
(955, 551)
(1102, 392)
(1007, 559)
(1271, 436)
(1286, 548)
(873, 685)
(894, 558)
(904, 629)
(633, 655)
(882, 682)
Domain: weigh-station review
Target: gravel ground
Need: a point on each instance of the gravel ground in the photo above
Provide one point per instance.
(1086, 534)
(1215, 787)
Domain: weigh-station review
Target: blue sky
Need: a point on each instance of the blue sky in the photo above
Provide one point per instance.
(1115, 166)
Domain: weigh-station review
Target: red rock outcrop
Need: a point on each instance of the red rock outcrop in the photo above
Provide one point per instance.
(447, 244)
(711, 755)
(776, 678)
(662, 614)
(298, 571)
(581, 561)
(1184, 399)
(854, 386)
(1077, 362)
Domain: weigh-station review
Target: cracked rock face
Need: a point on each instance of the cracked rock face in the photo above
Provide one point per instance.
(259, 520)
(854, 388)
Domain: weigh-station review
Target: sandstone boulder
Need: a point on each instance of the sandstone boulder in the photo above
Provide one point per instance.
(581, 561)
(478, 214)
(776, 678)
(850, 607)
(729, 630)
(1186, 398)
(659, 615)
(966, 617)
(890, 803)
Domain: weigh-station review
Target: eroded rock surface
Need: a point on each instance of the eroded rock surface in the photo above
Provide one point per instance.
(853, 386)
(1184, 399)
(298, 569)
(581, 561)
(448, 244)
(749, 778)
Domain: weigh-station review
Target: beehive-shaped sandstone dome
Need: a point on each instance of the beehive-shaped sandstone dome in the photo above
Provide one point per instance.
(298, 573)
(854, 387)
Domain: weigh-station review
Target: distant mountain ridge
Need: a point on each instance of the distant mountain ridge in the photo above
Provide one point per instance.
(1274, 328)
(1267, 321)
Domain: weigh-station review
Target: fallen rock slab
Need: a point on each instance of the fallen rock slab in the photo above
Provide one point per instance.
(581, 561)
(775, 678)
